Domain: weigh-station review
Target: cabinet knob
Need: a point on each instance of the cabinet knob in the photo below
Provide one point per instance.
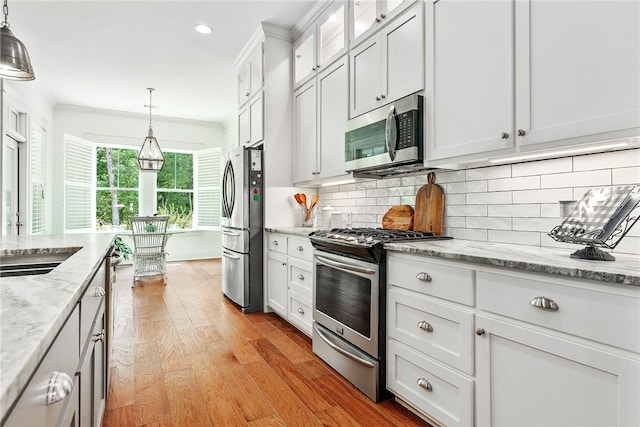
(425, 384)
(521, 132)
(299, 249)
(300, 277)
(300, 310)
(98, 336)
(247, 94)
(504, 135)
(377, 98)
(275, 243)
(480, 331)
(317, 66)
(426, 326)
(60, 385)
(313, 68)
(382, 15)
(383, 96)
(424, 277)
(377, 19)
(544, 303)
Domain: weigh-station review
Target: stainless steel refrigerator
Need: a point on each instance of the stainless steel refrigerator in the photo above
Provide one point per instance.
(242, 206)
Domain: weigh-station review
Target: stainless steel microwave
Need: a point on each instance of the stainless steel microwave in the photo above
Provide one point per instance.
(386, 140)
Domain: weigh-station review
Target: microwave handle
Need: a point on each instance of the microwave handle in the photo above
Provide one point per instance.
(391, 132)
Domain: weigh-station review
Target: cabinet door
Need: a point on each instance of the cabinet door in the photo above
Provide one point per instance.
(256, 120)
(243, 84)
(577, 68)
(305, 166)
(365, 77)
(244, 130)
(255, 66)
(304, 65)
(363, 18)
(333, 113)
(470, 76)
(331, 34)
(403, 56)
(529, 377)
(277, 283)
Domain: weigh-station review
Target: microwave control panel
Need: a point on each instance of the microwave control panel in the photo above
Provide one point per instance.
(407, 129)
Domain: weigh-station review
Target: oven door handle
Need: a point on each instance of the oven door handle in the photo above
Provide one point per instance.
(331, 263)
(342, 351)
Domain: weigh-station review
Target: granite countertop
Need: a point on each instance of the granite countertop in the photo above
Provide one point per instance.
(34, 308)
(624, 270)
(295, 231)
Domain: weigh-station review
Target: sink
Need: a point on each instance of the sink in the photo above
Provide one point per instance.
(29, 264)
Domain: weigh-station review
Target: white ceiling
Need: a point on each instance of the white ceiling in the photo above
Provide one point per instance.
(104, 54)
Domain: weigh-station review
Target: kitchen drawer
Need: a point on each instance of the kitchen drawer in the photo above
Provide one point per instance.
(300, 314)
(277, 243)
(300, 248)
(63, 357)
(441, 331)
(440, 279)
(444, 395)
(595, 311)
(301, 275)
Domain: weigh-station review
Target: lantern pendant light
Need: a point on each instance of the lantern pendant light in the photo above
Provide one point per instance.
(14, 58)
(150, 157)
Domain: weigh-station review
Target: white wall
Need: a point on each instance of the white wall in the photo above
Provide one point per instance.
(127, 129)
(509, 203)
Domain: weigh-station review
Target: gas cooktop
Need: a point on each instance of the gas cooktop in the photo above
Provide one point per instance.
(364, 243)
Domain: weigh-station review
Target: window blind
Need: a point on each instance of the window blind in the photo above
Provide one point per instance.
(37, 176)
(79, 184)
(208, 189)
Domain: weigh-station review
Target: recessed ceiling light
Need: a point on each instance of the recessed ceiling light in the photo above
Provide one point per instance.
(203, 29)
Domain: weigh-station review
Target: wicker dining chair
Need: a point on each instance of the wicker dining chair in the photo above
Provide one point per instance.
(149, 240)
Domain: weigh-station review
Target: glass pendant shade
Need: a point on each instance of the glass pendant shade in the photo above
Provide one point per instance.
(150, 157)
(14, 58)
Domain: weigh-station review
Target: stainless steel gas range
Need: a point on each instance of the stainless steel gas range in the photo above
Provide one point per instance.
(349, 302)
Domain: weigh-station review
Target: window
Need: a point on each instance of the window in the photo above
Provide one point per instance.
(174, 194)
(117, 191)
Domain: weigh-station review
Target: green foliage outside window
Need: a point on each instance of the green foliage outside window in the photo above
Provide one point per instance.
(175, 189)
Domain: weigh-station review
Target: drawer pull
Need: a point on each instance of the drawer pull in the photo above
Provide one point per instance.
(425, 384)
(300, 310)
(424, 277)
(299, 248)
(99, 291)
(60, 385)
(480, 331)
(425, 326)
(300, 277)
(275, 243)
(544, 303)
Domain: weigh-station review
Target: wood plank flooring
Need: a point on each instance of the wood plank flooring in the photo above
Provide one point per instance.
(183, 355)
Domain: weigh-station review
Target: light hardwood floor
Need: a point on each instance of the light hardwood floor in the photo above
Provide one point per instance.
(183, 355)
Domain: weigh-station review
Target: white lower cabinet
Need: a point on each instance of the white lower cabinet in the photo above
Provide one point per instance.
(290, 279)
(541, 349)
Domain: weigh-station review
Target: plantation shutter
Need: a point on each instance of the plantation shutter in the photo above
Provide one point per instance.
(37, 180)
(79, 185)
(208, 189)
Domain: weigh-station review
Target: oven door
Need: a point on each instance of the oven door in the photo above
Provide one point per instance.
(345, 299)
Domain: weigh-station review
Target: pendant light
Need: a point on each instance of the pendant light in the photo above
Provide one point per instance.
(150, 157)
(14, 58)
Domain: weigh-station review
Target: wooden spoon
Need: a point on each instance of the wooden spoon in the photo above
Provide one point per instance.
(298, 199)
(314, 201)
(303, 198)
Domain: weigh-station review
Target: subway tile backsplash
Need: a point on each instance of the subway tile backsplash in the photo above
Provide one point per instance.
(507, 203)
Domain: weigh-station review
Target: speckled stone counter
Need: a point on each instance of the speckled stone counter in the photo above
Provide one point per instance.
(34, 308)
(295, 231)
(624, 270)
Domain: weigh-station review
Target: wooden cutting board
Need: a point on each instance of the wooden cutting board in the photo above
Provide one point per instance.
(398, 217)
(429, 213)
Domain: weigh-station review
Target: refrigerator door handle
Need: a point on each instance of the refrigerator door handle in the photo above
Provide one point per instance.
(230, 233)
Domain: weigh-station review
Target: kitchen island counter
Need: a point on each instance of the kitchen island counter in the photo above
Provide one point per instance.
(34, 308)
(624, 270)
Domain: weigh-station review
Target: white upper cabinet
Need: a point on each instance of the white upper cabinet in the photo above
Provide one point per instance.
(577, 69)
(251, 122)
(249, 76)
(323, 42)
(367, 16)
(470, 77)
(321, 112)
(530, 74)
(389, 65)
